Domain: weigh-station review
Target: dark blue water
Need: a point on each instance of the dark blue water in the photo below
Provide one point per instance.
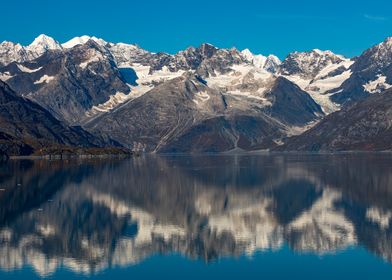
(198, 217)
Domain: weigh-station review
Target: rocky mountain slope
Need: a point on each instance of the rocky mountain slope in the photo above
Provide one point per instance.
(68, 83)
(371, 73)
(185, 115)
(367, 125)
(26, 127)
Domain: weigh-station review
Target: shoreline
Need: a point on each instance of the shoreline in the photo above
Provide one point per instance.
(227, 153)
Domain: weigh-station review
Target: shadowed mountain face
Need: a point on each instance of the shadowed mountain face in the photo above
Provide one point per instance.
(364, 126)
(90, 215)
(26, 126)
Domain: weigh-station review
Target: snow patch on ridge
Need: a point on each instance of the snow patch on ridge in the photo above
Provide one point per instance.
(114, 100)
(378, 85)
(145, 82)
(28, 70)
(82, 40)
(5, 76)
(322, 83)
(44, 79)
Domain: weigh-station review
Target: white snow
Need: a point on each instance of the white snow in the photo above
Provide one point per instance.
(232, 84)
(43, 43)
(5, 76)
(44, 79)
(28, 70)
(10, 52)
(232, 81)
(377, 85)
(82, 40)
(318, 86)
(257, 60)
(114, 100)
(90, 60)
(261, 61)
(145, 83)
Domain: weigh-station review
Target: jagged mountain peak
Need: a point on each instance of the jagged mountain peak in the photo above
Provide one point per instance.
(42, 38)
(322, 52)
(203, 51)
(207, 47)
(247, 53)
(10, 44)
(270, 63)
(387, 42)
(82, 40)
(43, 43)
(375, 59)
(308, 64)
(257, 60)
(371, 73)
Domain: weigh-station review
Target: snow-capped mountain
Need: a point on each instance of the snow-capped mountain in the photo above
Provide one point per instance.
(270, 63)
(82, 40)
(88, 80)
(371, 73)
(309, 64)
(317, 72)
(11, 52)
(43, 43)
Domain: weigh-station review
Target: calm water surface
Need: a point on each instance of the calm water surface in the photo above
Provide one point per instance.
(198, 217)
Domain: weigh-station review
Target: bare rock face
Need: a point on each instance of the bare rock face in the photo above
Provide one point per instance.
(291, 105)
(364, 126)
(26, 127)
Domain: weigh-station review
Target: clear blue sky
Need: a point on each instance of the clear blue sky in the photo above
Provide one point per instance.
(343, 26)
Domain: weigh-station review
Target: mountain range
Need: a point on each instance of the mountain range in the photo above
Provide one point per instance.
(91, 93)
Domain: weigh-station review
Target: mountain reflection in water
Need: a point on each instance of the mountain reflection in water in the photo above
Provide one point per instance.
(90, 215)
